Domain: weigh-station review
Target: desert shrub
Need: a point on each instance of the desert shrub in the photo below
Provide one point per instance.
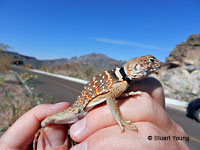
(44, 67)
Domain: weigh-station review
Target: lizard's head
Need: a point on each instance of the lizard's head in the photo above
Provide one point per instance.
(140, 67)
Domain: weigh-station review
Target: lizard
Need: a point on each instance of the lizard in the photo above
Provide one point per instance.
(106, 86)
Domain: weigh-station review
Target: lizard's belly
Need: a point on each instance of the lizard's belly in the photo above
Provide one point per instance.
(97, 100)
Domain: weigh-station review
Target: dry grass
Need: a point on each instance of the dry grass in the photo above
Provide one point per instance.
(13, 103)
(5, 63)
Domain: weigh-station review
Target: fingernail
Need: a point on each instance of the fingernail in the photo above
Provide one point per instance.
(79, 127)
(81, 146)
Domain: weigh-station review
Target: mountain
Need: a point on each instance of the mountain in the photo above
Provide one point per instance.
(99, 61)
(94, 60)
(54, 62)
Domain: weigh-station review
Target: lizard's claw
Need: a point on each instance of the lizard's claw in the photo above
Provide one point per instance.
(121, 128)
(129, 125)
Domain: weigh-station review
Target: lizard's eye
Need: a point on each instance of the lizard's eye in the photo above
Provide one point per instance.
(151, 60)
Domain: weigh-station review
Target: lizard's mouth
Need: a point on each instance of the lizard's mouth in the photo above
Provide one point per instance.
(154, 69)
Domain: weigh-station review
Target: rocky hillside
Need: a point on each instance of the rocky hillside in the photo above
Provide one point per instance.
(181, 78)
(187, 53)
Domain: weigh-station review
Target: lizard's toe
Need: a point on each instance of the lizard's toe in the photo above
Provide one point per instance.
(130, 126)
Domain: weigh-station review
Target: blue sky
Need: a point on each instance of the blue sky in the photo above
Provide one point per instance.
(121, 29)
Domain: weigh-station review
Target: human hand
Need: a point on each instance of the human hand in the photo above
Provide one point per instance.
(21, 134)
(98, 130)
(150, 118)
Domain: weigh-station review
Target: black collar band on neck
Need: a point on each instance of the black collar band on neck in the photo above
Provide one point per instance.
(124, 76)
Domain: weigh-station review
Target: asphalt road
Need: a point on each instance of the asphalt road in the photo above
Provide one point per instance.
(61, 90)
(191, 126)
(64, 90)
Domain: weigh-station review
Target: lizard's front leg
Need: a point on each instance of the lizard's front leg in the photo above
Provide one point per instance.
(112, 105)
(116, 91)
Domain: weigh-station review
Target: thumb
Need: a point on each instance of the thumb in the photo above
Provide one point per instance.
(29, 122)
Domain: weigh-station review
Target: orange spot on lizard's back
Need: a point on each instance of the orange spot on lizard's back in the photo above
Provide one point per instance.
(108, 80)
(96, 90)
(87, 96)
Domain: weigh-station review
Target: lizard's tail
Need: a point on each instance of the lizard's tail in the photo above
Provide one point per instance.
(67, 116)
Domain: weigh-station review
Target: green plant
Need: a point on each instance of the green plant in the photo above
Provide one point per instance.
(1, 80)
(27, 77)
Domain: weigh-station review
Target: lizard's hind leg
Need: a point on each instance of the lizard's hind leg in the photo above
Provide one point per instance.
(36, 137)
